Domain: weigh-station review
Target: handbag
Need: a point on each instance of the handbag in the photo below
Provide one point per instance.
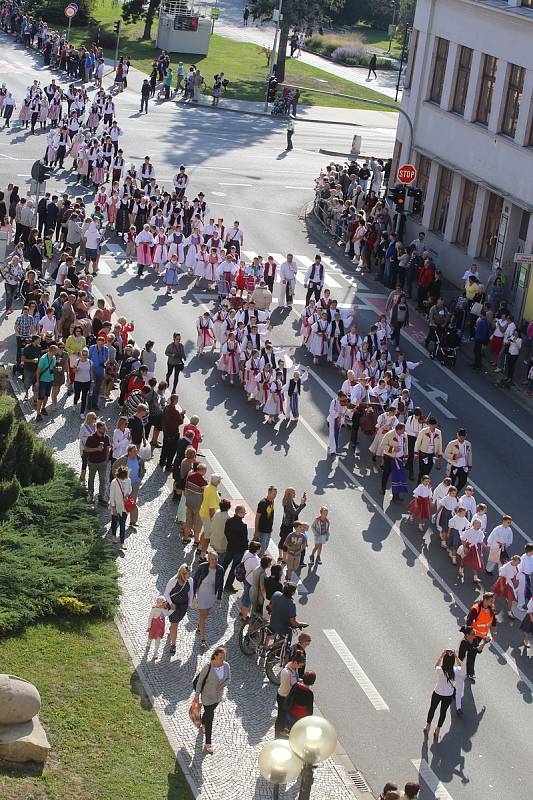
(145, 452)
(476, 309)
(195, 713)
(129, 502)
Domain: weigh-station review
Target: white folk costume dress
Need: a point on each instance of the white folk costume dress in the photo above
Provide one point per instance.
(194, 241)
(251, 374)
(349, 348)
(309, 316)
(160, 252)
(385, 423)
(205, 333)
(175, 246)
(219, 328)
(319, 339)
(200, 264)
(229, 358)
(274, 405)
(144, 242)
(507, 584)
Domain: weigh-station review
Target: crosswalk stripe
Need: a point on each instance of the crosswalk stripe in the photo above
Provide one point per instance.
(104, 267)
(306, 262)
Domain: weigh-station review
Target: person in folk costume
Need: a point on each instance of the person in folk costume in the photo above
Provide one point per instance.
(324, 302)
(175, 243)
(245, 353)
(292, 390)
(263, 382)
(77, 141)
(240, 336)
(309, 315)
(122, 223)
(140, 213)
(471, 551)
(160, 253)
(51, 147)
(112, 208)
(144, 242)
(229, 325)
(394, 456)
(240, 277)
(335, 420)
(100, 201)
(54, 112)
(194, 242)
(439, 492)
(287, 277)
(268, 356)
(386, 422)
(420, 506)
(206, 338)
(43, 113)
(82, 163)
(25, 113)
(404, 407)
(171, 275)
(350, 344)
(63, 146)
(108, 153)
(525, 577)
(211, 266)
(336, 335)
(402, 370)
(372, 370)
(118, 166)
(131, 247)
(283, 369)
(201, 264)
(228, 363)
(446, 509)
(506, 585)
(318, 341)
(158, 220)
(93, 120)
(251, 372)
(274, 405)
(99, 171)
(363, 357)
(218, 323)
(253, 336)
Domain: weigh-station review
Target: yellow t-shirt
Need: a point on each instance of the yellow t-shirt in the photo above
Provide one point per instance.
(211, 499)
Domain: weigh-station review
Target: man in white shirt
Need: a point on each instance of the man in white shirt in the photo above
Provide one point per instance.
(287, 276)
(314, 280)
(92, 238)
(234, 237)
(500, 539)
(419, 243)
(525, 586)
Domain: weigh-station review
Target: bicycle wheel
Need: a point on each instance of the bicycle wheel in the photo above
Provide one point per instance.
(275, 661)
(249, 640)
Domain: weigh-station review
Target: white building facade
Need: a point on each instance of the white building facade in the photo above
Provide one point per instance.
(469, 95)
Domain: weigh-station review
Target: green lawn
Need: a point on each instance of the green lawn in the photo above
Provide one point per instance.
(378, 39)
(244, 64)
(106, 742)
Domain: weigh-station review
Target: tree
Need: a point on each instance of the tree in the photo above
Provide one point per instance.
(134, 10)
(301, 14)
(406, 14)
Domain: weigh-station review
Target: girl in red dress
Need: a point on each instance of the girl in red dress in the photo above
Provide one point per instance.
(419, 506)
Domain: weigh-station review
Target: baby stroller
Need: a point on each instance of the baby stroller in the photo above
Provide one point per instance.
(445, 346)
(281, 106)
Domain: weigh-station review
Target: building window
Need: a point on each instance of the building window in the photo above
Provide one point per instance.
(413, 45)
(492, 223)
(463, 76)
(424, 168)
(443, 200)
(466, 216)
(488, 79)
(441, 57)
(515, 88)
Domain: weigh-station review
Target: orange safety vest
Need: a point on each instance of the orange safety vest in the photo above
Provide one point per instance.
(482, 623)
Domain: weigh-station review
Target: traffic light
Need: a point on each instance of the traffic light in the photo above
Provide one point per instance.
(397, 195)
(272, 89)
(117, 26)
(417, 196)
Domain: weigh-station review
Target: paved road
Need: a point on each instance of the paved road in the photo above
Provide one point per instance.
(376, 595)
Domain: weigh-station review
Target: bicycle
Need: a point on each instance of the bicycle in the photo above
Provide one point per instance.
(277, 657)
(253, 635)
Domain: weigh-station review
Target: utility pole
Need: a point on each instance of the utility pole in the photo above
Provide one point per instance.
(405, 43)
(274, 48)
(118, 26)
(392, 26)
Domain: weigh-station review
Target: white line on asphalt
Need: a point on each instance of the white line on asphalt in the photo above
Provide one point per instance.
(261, 210)
(218, 469)
(219, 194)
(307, 188)
(418, 556)
(466, 388)
(234, 184)
(437, 789)
(497, 508)
(103, 267)
(442, 408)
(356, 670)
(23, 175)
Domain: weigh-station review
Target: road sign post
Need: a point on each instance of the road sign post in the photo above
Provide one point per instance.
(406, 173)
(70, 11)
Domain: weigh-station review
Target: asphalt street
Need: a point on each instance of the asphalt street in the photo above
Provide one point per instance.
(386, 601)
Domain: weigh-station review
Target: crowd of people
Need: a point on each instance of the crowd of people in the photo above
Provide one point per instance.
(72, 346)
(348, 202)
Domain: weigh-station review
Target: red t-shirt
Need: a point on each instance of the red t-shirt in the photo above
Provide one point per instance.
(197, 438)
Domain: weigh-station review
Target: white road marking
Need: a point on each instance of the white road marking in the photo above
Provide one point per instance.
(437, 789)
(219, 194)
(356, 670)
(431, 397)
(234, 184)
(497, 508)
(218, 469)
(306, 262)
(307, 188)
(104, 267)
(23, 175)
(418, 556)
(260, 210)
(466, 388)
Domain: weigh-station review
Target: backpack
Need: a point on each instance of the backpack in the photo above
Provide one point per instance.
(195, 681)
(240, 571)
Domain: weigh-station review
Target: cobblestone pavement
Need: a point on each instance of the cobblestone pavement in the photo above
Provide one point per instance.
(245, 719)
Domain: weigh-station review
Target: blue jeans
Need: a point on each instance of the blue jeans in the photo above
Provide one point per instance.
(11, 292)
(264, 538)
(95, 394)
(119, 521)
(246, 601)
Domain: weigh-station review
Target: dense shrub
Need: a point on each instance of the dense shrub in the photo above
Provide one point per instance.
(357, 57)
(53, 11)
(52, 555)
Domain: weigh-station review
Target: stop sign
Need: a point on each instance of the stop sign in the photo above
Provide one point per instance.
(406, 173)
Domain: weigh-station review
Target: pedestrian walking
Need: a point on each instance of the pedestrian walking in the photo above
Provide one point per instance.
(175, 353)
(172, 420)
(156, 622)
(321, 530)
(290, 132)
(119, 494)
(447, 667)
(372, 64)
(245, 15)
(97, 447)
(179, 594)
(209, 685)
(208, 584)
(145, 95)
(291, 512)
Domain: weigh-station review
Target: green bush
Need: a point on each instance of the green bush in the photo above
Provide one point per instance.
(51, 546)
(9, 494)
(7, 418)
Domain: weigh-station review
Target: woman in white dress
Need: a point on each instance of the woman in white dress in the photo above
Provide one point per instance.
(251, 373)
(309, 316)
(194, 241)
(228, 363)
(205, 339)
(386, 422)
(274, 405)
(350, 344)
(319, 339)
(201, 264)
(218, 324)
(208, 584)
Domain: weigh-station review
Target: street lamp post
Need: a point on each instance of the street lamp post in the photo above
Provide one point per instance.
(273, 55)
(278, 764)
(312, 739)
